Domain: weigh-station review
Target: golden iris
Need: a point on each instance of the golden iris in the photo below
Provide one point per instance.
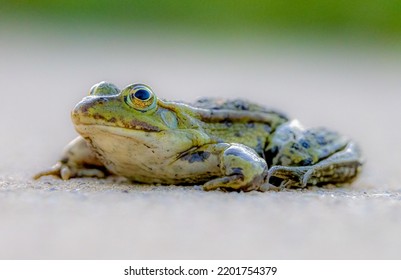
(141, 98)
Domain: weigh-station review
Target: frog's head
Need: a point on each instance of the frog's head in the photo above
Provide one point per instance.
(128, 127)
(135, 107)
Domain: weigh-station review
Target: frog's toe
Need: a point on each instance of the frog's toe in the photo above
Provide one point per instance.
(229, 182)
(269, 187)
(55, 170)
(234, 183)
(285, 177)
(66, 172)
(284, 184)
(90, 172)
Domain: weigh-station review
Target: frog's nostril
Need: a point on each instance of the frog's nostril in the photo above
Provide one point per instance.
(102, 100)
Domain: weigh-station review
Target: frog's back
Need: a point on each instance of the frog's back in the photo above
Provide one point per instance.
(234, 105)
(239, 121)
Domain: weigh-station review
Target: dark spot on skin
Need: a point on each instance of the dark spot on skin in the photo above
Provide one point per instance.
(325, 151)
(306, 162)
(237, 170)
(295, 146)
(85, 107)
(304, 143)
(321, 140)
(238, 134)
(228, 123)
(64, 160)
(98, 116)
(143, 126)
(203, 100)
(113, 120)
(239, 153)
(196, 157)
(310, 133)
(234, 152)
(240, 105)
(250, 125)
(102, 100)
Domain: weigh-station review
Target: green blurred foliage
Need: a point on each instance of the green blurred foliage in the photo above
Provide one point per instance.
(369, 18)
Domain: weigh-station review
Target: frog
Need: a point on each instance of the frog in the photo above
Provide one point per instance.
(218, 144)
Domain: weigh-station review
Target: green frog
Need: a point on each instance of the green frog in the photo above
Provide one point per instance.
(232, 145)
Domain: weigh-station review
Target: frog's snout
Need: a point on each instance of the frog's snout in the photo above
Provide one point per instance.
(84, 109)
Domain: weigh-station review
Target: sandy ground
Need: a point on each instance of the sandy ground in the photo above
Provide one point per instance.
(351, 90)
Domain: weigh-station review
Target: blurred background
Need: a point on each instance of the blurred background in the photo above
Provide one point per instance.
(372, 19)
(328, 63)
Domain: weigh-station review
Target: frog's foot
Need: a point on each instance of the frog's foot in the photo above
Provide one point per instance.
(285, 177)
(78, 160)
(341, 167)
(242, 169)
(65, 172)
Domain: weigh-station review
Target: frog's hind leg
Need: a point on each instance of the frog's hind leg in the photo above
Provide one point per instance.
(341, 167)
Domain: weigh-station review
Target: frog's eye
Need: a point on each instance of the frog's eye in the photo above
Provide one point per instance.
(142, 94)
(104, 88)
(141, 97)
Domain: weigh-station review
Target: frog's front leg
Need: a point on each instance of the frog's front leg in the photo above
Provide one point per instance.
(241, 167)
(78, 160)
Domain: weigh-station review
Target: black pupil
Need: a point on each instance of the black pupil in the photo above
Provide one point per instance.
(142, 94)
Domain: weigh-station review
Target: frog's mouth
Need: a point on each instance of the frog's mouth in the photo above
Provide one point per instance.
(93, 129)
(132, 126)
(97, 120)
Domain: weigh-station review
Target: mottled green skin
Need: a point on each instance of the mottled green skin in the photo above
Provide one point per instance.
(231, 145)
